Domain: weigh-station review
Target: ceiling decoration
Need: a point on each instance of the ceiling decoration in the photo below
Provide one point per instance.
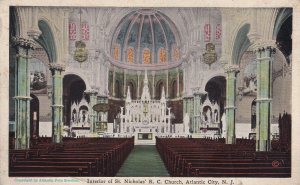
(146, 38)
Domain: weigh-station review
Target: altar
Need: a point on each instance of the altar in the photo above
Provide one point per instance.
(145, 118)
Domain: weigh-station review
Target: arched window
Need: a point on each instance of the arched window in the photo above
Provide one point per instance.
(130, 55)
(117, 52)
(159, 88)
(162, 55)
(132, 90)
(146, 56)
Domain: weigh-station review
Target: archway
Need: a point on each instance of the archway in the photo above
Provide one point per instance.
(73, 92)
(132, 90)
(284, 40)
(117, 89)
(174, 89)
(159, 87)
(216, 93)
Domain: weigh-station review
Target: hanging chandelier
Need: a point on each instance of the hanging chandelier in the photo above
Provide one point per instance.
(81, 53)
(210, 55)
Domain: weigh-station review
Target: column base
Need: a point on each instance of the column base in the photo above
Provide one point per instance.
(230, 140)
(263, 145)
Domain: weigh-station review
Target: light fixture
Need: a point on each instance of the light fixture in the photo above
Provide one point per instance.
(210, 56)
(81, 53)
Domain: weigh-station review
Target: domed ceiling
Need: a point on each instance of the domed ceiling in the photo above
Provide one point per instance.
(146, 38)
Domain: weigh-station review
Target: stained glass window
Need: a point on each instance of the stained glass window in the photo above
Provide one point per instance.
(72, 31)
(162, 55)
(146, 56)
(130, 55)
(116, 53)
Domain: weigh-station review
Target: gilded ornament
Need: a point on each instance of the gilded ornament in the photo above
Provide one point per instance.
(210, 56)
(81, 53)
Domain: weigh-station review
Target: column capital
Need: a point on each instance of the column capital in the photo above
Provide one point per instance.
(153, 73)
(56, 67)
(91, 92)
(139, 73)
(23, 42)
(198, 91)
(232, 68)
(262, 45)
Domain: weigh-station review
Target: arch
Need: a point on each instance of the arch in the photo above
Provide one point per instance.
(117, 89)
(46, 40)
(211, 76)
(158, 88)
(282, 16)
(132, 88)
(216, 91)
(241, 43)
(173, 89)
(283, 37)
(73, 92)
(80, 75)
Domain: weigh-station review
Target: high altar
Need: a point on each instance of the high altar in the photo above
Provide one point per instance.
(146, 118)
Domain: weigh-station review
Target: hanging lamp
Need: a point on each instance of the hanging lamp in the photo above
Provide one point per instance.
(210, 56)
(81, 53)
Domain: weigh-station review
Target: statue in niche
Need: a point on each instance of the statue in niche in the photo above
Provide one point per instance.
(208, 115)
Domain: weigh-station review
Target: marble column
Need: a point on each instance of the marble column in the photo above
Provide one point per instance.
(264, 97)
(57, 104)
(93, 114)
(22, 97)
(231, 71)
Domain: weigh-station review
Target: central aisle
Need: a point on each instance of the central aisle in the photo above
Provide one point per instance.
(143, 161)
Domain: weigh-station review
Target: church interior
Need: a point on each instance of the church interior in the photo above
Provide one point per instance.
(193, 92)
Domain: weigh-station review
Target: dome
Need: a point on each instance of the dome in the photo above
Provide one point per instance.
(146, 39)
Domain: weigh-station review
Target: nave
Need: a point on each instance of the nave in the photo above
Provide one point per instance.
(200, 157)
